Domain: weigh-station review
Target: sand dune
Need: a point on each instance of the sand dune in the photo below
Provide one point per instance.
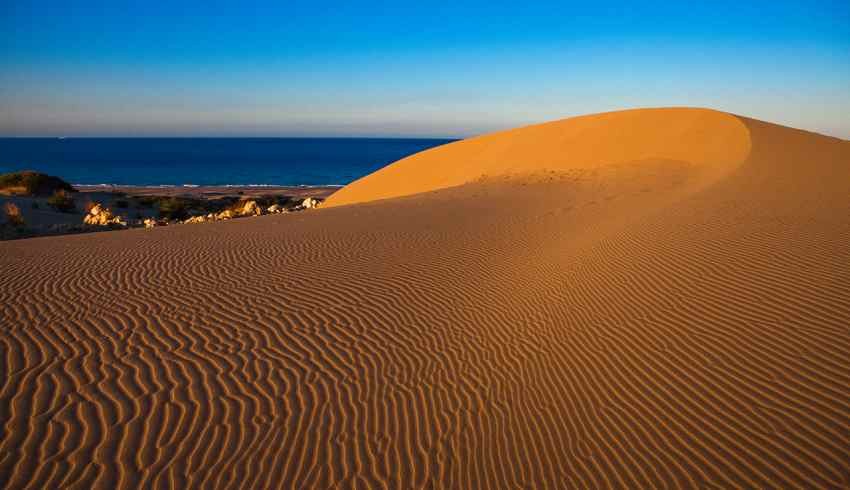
(640, 299)
(709, 138)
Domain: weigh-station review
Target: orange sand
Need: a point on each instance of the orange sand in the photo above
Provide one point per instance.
(655, 298)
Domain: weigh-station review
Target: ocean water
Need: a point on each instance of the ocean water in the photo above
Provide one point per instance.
(207, 161)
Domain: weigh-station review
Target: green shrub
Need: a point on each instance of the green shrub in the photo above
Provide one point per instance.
(173, 208)
(146, 202)
(33, 184)
(62, 201)
(219, 204)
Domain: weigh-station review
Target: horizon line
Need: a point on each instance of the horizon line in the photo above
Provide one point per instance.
(234, 137)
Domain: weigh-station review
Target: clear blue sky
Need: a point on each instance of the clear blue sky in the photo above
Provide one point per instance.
(406, 68)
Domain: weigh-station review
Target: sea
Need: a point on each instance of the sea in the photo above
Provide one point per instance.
(207, 161)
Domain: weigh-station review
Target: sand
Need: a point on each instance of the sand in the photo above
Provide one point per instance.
(642, 299)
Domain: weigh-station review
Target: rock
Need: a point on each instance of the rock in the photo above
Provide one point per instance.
(100, 216)
(196, 219)
(149, 222)
(310, 203)
(274, 208)
(228, 214)
(250, 208)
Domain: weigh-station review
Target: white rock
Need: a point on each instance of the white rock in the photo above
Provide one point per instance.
(196, 219)
(100, 216)
(250, 208)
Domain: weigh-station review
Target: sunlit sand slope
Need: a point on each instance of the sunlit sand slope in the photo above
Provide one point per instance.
(710, 138)
(655, 319)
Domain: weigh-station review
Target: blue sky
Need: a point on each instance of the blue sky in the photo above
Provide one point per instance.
(398, 69)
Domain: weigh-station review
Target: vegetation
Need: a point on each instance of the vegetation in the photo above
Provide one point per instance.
(32, 184)
(183, 207)
(170, 208)
(13, 214)
(62, 201)
(146, 201)
(173, 208)
(282, 201)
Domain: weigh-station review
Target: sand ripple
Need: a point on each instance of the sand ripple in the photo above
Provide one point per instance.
(639, 325)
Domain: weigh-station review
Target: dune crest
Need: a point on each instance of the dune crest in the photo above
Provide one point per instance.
(704, 137)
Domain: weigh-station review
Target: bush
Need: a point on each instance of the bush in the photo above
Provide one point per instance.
(173, 208)
(122, 203)
(219, 204)
(33, 184)
(62, 201)
(282, 201)
(146, 202)
(13, 214)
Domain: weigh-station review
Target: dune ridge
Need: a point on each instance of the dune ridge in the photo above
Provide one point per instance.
(705, 137)
(652, 320)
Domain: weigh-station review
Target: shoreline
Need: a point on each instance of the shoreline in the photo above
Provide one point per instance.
(212, 191)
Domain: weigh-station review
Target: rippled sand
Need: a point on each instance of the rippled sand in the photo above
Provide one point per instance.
(655, 298)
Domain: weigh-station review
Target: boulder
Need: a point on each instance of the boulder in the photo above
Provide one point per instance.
(101, 216)
(274, 208)
(228, 214)
(149, 222)
(196, 219)
(310, 203)
(250, 208)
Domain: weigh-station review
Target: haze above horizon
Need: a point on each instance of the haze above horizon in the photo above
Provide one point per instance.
(260, 68)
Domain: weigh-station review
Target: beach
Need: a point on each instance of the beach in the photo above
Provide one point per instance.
(640, 299)
(213, 191)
